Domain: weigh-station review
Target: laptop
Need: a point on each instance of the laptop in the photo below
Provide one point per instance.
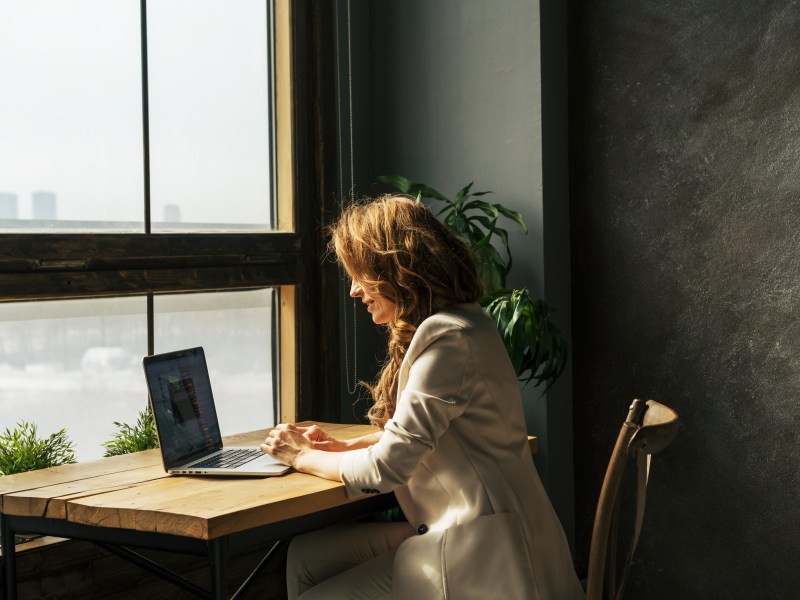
(186, 420)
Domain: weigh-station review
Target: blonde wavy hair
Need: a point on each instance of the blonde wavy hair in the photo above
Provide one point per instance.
(398, 249)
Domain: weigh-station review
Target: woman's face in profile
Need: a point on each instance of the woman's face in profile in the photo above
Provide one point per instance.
(382, 309)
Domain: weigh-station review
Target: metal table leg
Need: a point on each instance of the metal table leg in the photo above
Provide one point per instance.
(242, 591)
(9, 560)
(218, 555)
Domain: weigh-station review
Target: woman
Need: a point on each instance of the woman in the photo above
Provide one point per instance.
(452, 443)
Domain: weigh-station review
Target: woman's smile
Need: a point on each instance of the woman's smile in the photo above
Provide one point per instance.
(382, 309)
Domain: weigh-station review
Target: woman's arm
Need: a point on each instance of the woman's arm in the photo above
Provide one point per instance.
(302, 448)
(322, 440)
(365, 441)
(430, 399)
(320, 463)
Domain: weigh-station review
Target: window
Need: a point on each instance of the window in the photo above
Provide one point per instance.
(161, 187)
(209, 114)
(71, 116)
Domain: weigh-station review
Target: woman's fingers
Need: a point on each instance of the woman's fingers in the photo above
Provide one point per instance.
(268, 446)
(312, 432)
(286, 427)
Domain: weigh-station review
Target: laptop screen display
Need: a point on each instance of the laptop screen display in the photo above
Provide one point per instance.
(183, 407)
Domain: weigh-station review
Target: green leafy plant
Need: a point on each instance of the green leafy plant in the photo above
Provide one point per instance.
(21, 449)
(534, 343)
(133, 438)
(472, 219)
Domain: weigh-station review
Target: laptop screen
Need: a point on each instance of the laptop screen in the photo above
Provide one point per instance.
(183, 407)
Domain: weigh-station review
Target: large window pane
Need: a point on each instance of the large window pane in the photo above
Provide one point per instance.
(70, 116)
(236, 331)
(74, 364)
(210, 149)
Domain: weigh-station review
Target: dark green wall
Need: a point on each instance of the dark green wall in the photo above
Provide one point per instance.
(685, 206)
(456, 96)
(456, 99)
(365, 345)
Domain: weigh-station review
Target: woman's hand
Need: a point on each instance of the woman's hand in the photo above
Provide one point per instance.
(295, 446)
(321, 439)
(287, 443)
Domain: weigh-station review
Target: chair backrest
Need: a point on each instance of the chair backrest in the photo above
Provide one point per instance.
(649, 428)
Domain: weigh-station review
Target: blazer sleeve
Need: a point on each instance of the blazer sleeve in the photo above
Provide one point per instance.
(433, 396)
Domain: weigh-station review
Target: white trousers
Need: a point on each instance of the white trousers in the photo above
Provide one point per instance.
(344, 562)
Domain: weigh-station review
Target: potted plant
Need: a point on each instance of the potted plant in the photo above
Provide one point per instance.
(533, 341)
(133, 438)
(21, 449)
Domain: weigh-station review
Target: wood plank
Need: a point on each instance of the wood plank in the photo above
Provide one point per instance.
(284, 105)
(32, 480)
(207, 507)
(101, 251)
(76, 284)
(289, 380)
(20, 482)
(132, 491)
(193, 506)
(51, 500)
(98, 472)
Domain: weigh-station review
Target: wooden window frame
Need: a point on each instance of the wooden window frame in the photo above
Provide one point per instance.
(39, 266)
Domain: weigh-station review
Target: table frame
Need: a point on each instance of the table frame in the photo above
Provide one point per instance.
(216, 548)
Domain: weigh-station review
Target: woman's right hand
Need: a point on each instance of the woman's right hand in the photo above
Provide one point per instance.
(321, 439)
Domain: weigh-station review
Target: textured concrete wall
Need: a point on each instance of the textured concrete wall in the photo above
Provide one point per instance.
(685, 206)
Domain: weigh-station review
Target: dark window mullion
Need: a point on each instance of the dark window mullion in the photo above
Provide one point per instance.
(145, 116)
(146, 164)
(38, 266)
(112, 250)
(271, 124)
(150, 326)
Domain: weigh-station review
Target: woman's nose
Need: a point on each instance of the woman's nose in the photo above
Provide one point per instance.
(355, 290)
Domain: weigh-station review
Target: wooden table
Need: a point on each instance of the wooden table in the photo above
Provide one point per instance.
(129, 500)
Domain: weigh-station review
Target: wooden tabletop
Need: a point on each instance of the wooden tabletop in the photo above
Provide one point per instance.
(132, 491)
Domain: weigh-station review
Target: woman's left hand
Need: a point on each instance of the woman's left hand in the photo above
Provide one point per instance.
(287, 443)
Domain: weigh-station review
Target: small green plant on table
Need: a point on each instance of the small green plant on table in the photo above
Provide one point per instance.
(133, 438)
(22, 449)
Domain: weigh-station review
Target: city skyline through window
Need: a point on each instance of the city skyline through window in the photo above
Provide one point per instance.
(71, 153)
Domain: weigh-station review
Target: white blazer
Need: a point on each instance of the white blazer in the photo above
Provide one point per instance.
(455, 450)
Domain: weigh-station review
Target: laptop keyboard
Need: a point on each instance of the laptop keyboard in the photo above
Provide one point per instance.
(229, 459)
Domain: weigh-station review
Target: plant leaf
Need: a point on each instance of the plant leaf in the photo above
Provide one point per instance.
(22, 449)
(407, 186)
(464, 192)
(513, 215)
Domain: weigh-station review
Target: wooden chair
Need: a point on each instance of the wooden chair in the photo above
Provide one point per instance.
(649, 428)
